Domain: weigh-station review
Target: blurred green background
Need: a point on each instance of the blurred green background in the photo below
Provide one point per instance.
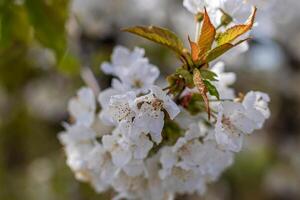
(45, 45)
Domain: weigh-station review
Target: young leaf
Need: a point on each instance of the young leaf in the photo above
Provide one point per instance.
(209, 75)
(234, 32)
(220, 50)
(211, 89)
(207, 35)
(200, 85)
(195, 51)
(159, 35)
(187, 76)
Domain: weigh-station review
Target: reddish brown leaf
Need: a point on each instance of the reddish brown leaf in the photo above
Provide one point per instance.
(202, 89)
(207, 35)
(194, 50)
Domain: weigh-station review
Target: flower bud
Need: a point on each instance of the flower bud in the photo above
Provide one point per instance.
(226, 19)
(199, 17)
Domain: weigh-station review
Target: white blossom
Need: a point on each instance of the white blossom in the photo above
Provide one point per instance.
(193, 161)
(78, 142)
(225, 80)
(120, 108)
(125, 147)
(131, 69)
(256, 105)
(83, 107)
(196, 6)
(232, 124)
(126, 154)
(101, 171)
(237, 9)
(149, 112)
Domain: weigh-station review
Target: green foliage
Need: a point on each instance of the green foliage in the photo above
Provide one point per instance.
(187, 76)
(196, 104)
(25, 26)
(48, 21)
(14, 25)
(218, 51)
(171, 132)
(209, 75)
(211, 89)
(69, 64)
(176, 84)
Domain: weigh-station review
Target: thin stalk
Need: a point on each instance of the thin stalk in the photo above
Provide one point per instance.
(197, 33)
(219, 100)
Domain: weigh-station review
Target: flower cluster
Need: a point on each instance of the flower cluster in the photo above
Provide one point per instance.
(149, 142)
(227, 12)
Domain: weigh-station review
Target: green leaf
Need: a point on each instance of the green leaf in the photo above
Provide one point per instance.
(220, 50)
(159, 35)
(209, 75)
(171, 132)
(211, 89)
(48, 21)
(69, 64)
(14, 25)
(176, 84)
(234, 32)
(187, 76)
(196, 104)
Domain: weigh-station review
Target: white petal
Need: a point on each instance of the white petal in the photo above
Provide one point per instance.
(134, 168)
(83, 107)
(121, 157)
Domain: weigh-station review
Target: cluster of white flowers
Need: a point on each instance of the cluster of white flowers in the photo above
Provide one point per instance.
(143, 142)
(123, 146)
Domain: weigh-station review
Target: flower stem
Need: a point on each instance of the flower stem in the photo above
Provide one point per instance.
(197, 33)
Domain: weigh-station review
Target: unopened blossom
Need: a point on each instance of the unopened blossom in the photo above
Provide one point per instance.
(82, 108)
